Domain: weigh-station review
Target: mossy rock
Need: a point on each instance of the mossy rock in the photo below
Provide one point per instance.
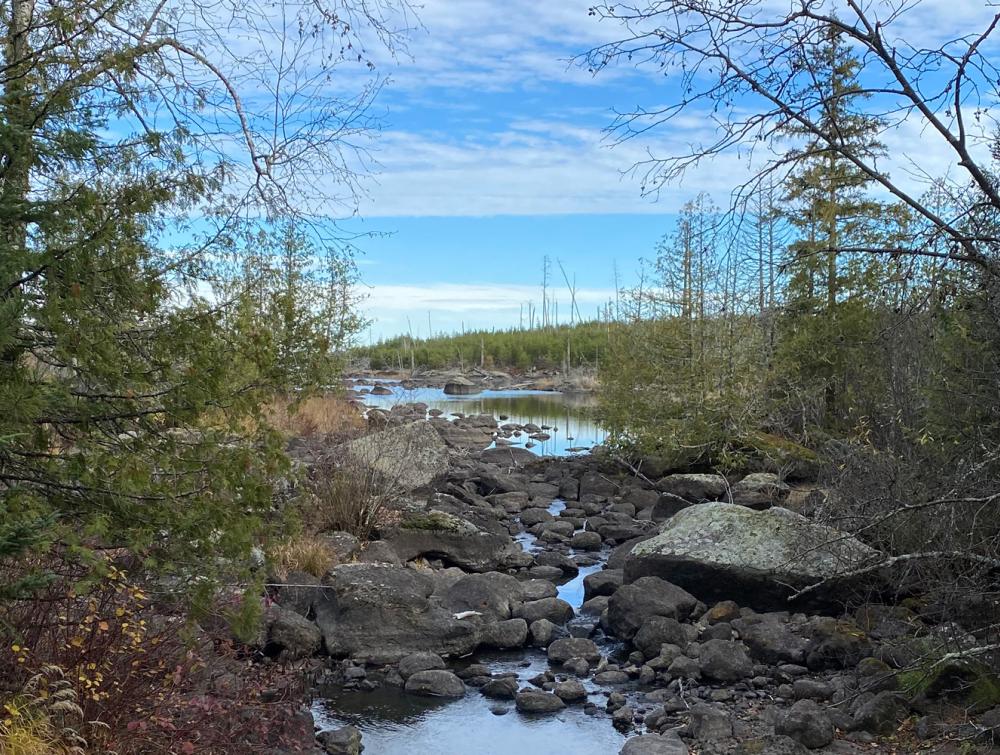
(436, 521)
(972, 684)
(777, 454)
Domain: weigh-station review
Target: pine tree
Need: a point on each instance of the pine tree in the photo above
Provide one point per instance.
(826, 321)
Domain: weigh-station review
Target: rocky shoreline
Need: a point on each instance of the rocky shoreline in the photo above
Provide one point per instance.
(576, 381)
(708, 618)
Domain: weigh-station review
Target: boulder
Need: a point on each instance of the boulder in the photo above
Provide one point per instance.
(501, 689)
(696, 488)
(771, 640)
(760, 490)
(586, 541)
(724, 661)
(435, 683)
(460, 386)
(493, 595)
(556, 610)
(807, 723)
(570, 691)
(374, 609)
(654, 744)
(536, 701)
(415, 662)
(435, 534)
(603, 582)
(657, 631)
(289, 635)
(710, 724)
(504, 635)
(725, 551)
(632, 604)
(407, 457)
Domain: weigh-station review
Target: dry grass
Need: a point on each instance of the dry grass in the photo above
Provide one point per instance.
(305, 553)
(326, 415)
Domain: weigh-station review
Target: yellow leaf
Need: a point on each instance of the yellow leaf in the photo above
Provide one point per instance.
(76, 642)
(103, 626)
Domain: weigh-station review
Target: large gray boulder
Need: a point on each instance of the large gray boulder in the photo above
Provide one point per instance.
(407, 457)
(721, 551)
(289, 635)
(436, 534)
(493, 595)
(385, 611)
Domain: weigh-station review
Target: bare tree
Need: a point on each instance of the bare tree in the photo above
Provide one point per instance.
(743, 65)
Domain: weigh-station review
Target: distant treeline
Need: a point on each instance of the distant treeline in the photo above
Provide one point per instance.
(555, 347)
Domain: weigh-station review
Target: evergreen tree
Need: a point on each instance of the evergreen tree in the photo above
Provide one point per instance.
(826, 323)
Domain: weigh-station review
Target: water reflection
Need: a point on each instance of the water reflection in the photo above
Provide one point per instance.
(566, 415)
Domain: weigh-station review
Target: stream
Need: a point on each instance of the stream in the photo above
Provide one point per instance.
(574, 428)
(393, 722)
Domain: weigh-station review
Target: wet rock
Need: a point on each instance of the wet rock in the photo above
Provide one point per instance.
(577, 666)
(288, 635)
(603, 582)
(343, 741)
(531, 517)
(563, 650)
(633, 603)
(806, 723)
(536, 701)
(436, 683)
(502, 689)
(760, 490)
(622, 718)
(595, 606)
(724, 551)
(415, 662)
(556, 610)
(654, 744)
(368, 609)
(694, 487)
(657, 631)
(559, 560)
(724, 661)
(504, 635)
(570, 691)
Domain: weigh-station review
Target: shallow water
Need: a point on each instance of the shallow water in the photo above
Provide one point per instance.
(568, 413)
(394, 723)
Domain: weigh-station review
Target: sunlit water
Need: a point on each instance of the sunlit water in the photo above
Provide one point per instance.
(568, 416)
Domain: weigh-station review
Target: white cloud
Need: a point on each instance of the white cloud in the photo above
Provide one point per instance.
(398, 308)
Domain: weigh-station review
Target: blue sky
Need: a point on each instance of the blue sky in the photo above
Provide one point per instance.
(493, 154)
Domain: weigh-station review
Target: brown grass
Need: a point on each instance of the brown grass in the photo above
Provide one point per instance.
(326, 415)
(305, 553)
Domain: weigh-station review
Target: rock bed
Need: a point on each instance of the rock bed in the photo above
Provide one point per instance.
(677, 667)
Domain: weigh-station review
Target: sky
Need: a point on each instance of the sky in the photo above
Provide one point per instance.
(494, 154)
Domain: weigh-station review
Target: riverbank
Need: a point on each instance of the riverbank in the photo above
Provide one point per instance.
(510, 603)
(577, 380)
